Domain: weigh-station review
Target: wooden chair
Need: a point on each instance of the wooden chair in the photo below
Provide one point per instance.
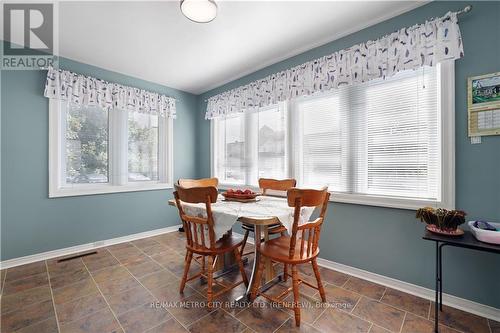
(300, 248)
(200, 239)
(266, 184)
(203, 182)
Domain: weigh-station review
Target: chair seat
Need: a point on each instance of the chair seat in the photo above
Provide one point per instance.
(272, 229)
(278, 249)
(226, 244)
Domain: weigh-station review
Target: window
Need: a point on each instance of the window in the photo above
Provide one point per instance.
(142, 147)
(94, 151)
(385, 142)
(250, 146)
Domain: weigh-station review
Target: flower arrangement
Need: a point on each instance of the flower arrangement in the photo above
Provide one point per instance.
(442, 219)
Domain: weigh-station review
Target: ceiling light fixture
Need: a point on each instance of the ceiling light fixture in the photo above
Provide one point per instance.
(200, 11)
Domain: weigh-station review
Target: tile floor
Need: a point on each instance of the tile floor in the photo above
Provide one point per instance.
(133, 287)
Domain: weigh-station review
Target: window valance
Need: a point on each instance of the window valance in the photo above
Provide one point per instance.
(80, 90)
(409, 48)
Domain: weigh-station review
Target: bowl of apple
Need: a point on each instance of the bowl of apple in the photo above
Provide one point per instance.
(240, 195)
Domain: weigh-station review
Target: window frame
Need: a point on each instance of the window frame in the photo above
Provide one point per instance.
(446, 128)
(117, 156)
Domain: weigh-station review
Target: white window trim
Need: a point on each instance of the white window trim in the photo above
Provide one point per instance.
(447, 104)
(117, 159)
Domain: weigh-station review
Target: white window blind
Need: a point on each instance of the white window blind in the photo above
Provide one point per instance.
(251, 146)
(385, 142)
(378, 138)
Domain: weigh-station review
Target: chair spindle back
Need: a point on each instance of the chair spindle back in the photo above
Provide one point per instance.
(203, 182)
(195, 226)
(266, 184)
(310, 231)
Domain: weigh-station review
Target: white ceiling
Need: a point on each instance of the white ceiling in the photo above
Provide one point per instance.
(155, 42)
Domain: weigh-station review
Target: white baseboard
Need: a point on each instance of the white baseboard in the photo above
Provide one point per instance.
(84, 247)
(450, 300)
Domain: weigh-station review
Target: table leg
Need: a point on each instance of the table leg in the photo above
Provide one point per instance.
(257, 258)
(441, 277)
(436, 301)
(269, 269)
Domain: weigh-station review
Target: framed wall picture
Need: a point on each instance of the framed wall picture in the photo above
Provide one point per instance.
(483, 94)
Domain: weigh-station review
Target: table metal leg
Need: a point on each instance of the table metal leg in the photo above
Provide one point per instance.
(436, 301)
(441, 277)
(257, 258)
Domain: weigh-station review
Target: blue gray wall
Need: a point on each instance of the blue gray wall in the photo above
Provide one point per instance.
(33, 223)
(388, 241)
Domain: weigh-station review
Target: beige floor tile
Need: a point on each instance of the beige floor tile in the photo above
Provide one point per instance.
(129, 255)
(144, 267)
(98, 322)
(171, 260)
(379, 313)
(263, 319)
(170, 326)
(46, 326)
(190, 310)
(71, 277)
(407, 302)
(144, 242)
(461, 320)
(217, 321)
(333, 277)
(155, 249)
(22, 284)
(113, 287)
(24, 271)
(105, 262)
(336, 321)
(79, 308)
(365, 288)
(25, 298)
(129, 299)
(495, 326)
(158, 279)
(64, 267)
(170, 293)
(341, 298)
(311, 308)
(143, 318)
(75, 291)
(27, 316)
(378, 329)
(111, 273)
(290, 327)
(414, 324)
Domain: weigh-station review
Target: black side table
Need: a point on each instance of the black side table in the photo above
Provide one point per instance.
(468, 241)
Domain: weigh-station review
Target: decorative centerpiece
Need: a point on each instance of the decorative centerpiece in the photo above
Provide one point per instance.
(246, 195)
(442, 221)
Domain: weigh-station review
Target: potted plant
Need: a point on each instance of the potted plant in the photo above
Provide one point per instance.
(442, 221)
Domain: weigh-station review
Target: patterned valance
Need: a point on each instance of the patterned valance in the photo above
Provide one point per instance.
(79, 90)
(409, 48)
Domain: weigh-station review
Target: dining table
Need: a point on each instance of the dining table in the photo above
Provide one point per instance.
(261, 213)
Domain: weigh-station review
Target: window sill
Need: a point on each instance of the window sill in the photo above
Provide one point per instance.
(367, 200)
(93, 189)
(386, 201)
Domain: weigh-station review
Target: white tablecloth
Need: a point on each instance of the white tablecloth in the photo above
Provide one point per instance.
(226, 213)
